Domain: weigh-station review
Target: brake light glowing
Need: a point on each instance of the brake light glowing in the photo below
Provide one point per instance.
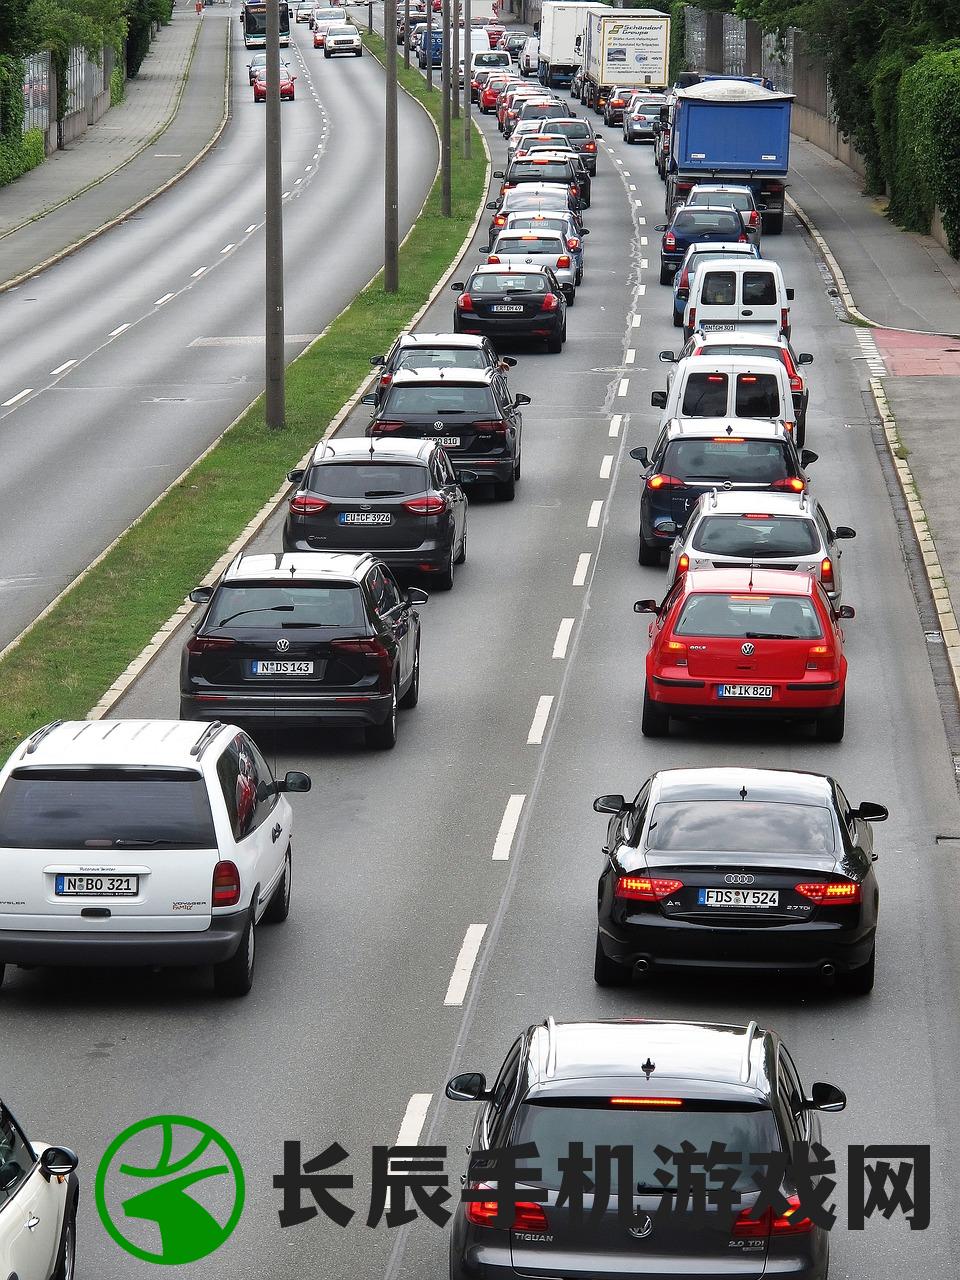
(746, 1227)
(493, 259)
(676, 651)
(464, 302)
(839, 891)
(793, 483)
(589, 146)
(527, 1214)
(646, 1102)
(819, 657)
(563, 261)
(305, 504)
(573, 243)
(207, 644)
(669, 240)
(550, 302)
(716, 377)
(754, 219)
(661, 481)
(748, 377)
(432, 505)
(826, 572)
(728, 439)
(755, 515)
(683, 564)
(226, 885)
(788, 1223)
(646, 888)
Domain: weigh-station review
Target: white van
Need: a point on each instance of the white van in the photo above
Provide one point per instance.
(727, 387)
(737, 294)
(530, 56)
(483, 56)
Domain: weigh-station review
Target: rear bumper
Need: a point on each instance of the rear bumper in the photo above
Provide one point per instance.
(333, 710)
(69, 947)
(694, 697)
(539, 326)
(434, 551)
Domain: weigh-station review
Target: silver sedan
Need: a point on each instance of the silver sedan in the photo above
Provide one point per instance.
(540, 249)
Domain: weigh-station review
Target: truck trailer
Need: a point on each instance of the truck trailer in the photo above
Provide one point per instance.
(562, 28)
(629, 48)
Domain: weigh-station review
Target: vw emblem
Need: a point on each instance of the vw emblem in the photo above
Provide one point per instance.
(283, 645)
(438, 426)
(747, 649)
(739, 879)
(644, 1229)
(727, 485)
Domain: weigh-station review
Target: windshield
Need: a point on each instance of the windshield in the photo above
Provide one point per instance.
(756, 536)
(694, 222)
(515, 282)
(749, 617)
(540, 170)
(741, 826)
(104, 808)
(735, 199)
(740, 461)
(529, 244)
(442, 358)
(446, 398)
(281, 604)
(367, 479)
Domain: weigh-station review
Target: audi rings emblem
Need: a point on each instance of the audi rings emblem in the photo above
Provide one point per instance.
(283, 645)
(747, 649)
(739, 879)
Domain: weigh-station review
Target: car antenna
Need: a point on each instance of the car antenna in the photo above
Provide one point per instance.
(743, 793)
(648, 1067)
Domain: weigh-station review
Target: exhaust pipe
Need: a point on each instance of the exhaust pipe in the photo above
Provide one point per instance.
(828, 971)
(641, 967)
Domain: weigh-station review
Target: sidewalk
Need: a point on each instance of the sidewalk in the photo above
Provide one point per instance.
(138, 147)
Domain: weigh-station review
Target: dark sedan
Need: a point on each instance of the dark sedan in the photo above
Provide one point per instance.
(437, 351)
(512, 303)
(314, 640)
(738, 869)
(557, 170)
(396, 499)
(533, 198)
(699, 225)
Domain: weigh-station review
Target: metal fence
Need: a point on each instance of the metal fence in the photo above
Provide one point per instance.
(744, 50)
(36, 91)
(76, 79)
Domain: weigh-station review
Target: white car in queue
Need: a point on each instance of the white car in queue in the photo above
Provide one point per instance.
(38, 1206)
(143, 843)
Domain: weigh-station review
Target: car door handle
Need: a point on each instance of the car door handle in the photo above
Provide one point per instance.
(276, 833)
(746, 313)
(33, 1222)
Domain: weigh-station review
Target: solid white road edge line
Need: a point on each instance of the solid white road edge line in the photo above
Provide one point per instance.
(508, 828)
(119, 329)
(538, 726)
(460, 979)
(563, 637)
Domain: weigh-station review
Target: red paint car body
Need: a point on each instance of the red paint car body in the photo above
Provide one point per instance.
(729, 642)
(494, 32)
(286, 87)
(490, 92)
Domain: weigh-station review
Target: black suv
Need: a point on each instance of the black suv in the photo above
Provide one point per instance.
(555, 170)
(432, 351)
(640, 1085)
(319, 639)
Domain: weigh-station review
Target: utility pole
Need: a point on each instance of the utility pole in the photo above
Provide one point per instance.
(391, 179)
(370, 18)
(467, 59)
(273, 290)
(429, 39)
(406, 34)
(446, 207)
(455, 47)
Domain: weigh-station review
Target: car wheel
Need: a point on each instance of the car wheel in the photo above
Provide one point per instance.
(412, 696)
(606, 972)
(516, 468)
(383, 737)
(649, 553)
(773, 224)
(677, 320)
(654, 722)
(462, 557)
(67, 1253)
(666, 274)
(358, 54)
(801, 431)
(830, 723)
(859, 982)
(555, 343)
(572, 297)
(578, 278)
(444, 581)
(234, 977)
(325, 54)
(505, 490)
(279, 907)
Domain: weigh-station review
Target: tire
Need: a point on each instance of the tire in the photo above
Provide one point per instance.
(666, 275)
(383, 737)
(325, 54)
(859, 982)
(444, 581)
(67, 1253)
(606, 972)
(358, 54)
(572, 297)
(677, 321)
(830, 723)
(279, 906)
(654, 722)
(234, 977)
(802, 431)
(578, 278)
(555, 344)
(412, 696)
(649, 554)
(516, 467)
(505, 490)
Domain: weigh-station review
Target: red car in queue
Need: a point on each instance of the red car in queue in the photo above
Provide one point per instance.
(745, 642)
(287, 82)
(491, 90)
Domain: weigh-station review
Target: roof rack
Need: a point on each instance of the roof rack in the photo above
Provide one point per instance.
(551, 1027)
(208, 735)
(36, 738)
(753, 1031)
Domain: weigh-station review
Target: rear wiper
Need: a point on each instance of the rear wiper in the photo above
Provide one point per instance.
(274, 608)
(145, 844)
(707, 477)
(769, 635)
(383, 493)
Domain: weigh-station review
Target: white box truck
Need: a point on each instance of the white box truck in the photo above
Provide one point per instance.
(629, 48)
(562, 34)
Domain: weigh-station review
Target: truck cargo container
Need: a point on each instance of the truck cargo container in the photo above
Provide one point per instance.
(562, 28)
(625, 47)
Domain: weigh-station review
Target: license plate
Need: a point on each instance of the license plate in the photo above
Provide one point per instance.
(365, 517)
(745, 691)
(738, 897)
(449, 442)
(97, 886)
(716, 327)
(272, 668)
(505, 307)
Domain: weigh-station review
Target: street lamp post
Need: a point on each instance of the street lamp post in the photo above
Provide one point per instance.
(391, 217)
(467, 59)
(406, 34)
(445, 158)
(429, 44)
(455, 46)
(273, 283)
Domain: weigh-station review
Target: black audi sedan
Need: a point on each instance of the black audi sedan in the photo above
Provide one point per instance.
(470, 413)
(616, 1102)
(510, 302)
(738, 869)
(396, 499)
(319, 639)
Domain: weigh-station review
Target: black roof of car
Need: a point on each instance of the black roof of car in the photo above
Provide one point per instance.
(360, 449)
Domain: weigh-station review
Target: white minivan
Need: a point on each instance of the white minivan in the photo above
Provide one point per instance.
(530, 56)
(738, 294)
(727, 387)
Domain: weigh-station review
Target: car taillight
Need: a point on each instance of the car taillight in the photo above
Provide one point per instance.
(831, 891)
(692, 323)
(464, 302)
(432, 505)
(372, 648)
(684, 278)
(793, 483)
(754, 219)
(496, 427)
(826, 573)
(207, 644)
(669, 240)
(573, 243)
(305, 504)
(660, 481)
(383, 425)
(386, 379)
(788, 1223)
(616, 102)
(550, 302)
(563, 261)
(796, 382)
(493, 259)
(819, 657)
(226, 885)
(527, 1214)
(683, 564)
(500, 220)
(646, 888)
(676, 652)
(784, 318)
(574, 189)
(589, 146)
(742, 239)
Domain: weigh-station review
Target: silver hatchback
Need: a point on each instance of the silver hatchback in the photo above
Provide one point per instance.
(540, 248)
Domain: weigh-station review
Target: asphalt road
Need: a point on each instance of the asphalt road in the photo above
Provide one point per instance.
(394, 852)
(122, 363)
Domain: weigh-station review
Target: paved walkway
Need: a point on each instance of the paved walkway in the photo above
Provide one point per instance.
(129, 153)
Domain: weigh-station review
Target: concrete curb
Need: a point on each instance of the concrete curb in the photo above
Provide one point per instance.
(172, 625)
(59, 256)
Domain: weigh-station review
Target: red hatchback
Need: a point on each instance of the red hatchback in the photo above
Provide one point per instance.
(741, 642)
(286, 85)
(491, 90)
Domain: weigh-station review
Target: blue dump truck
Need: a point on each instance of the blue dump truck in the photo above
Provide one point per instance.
(733, 131)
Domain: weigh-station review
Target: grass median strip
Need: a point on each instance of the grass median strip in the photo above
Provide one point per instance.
(72, 656)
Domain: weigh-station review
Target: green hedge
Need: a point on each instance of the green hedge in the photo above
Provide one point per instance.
(926, 165)
(18, 155)
(117, 86)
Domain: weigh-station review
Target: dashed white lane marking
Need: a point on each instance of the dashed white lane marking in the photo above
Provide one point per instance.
(638, 202)
(460, 979)
(308, 168)
(252, 227)
(160, 301)
(615, 422)
(642, 221)
(62, 367)
(644, 264)
(119, 329)
(19, 396)
(643, 242)
(624, 384)
(508, 823)
(227, 247)
(635, 322)
(641, 289)
(606, 466)
(633, 186)
(413, 1119)
(540, 717)
(563, 637)
(630, 356)
(199, 272)
(618, 161)
(286, 195)
(297, 181)
(582, 569)
(596, 510)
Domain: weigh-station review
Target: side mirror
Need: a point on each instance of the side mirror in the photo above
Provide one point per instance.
(609, 804)
(416, 595)
(377, 360)
(499, 173)
(846, 611)
(808, 456)
(509, 361)
(825, 1097)
(790, 293)
(296, 475)
(804, 358)
(646, 606)
(661, 226)
(658, 399)
(521, 399)
(294, 780)
(369, 398)
(58, 1162)
(667, 357)
(667, 526)
(457, 286)
(871, 812)
(493, 204)
(469, 1086)
(201, 595)
(640, 455)
(844, 531)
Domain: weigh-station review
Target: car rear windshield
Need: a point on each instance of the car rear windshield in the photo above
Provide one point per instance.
(442, 358)
(738, 460)
(705, 396)
(368, 479)
(448, 398)
(540, 171)
(281, 604)
(735, 199)
(529, 244)
(741, 826)
(758, 396)
(756, 535)
(553, 1127)
(719, 289)
(759, 289)
(573, 129)
(708, 221)
(756, 351)
(105, 808)
(515, 282)
(537, 222)
(749, 617)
